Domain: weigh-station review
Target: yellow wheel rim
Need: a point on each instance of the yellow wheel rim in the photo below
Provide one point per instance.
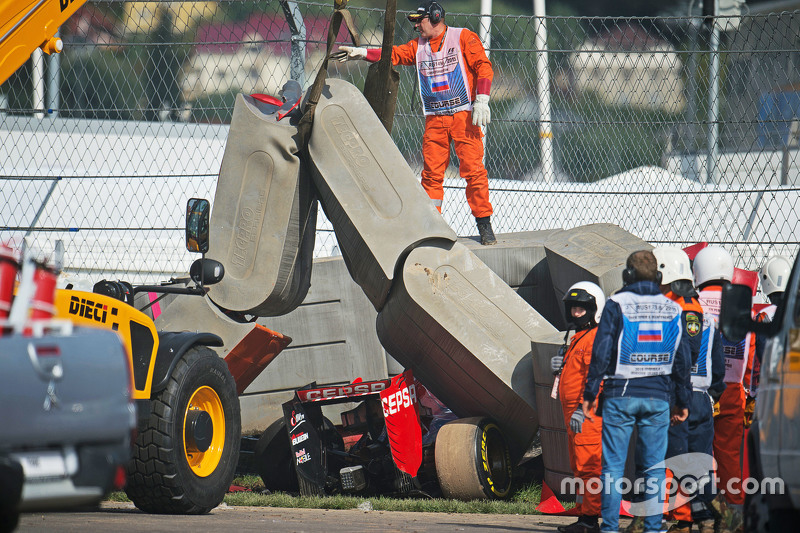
(203, 463)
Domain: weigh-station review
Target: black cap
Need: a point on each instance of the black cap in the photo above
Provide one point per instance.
(424, 10)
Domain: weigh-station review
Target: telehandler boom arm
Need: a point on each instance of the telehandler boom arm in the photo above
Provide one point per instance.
(28, 24)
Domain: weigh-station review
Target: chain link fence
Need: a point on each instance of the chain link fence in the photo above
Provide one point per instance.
(676, 129)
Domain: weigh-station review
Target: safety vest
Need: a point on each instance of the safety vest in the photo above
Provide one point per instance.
(701, 370)
(650, 335)
(737, 354)
(443, 85)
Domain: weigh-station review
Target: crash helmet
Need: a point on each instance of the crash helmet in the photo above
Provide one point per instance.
(774, 275)
(712, 263)
(673, 263)
(587, 295)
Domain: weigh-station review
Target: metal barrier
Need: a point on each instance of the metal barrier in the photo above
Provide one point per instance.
(676, 129)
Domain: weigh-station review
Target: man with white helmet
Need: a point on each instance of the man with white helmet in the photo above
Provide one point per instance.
(696, 435)
(713, 268)
(583, 306)
(774, 275)
(641, 356)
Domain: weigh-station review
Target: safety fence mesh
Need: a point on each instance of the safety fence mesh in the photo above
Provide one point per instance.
(677, 129)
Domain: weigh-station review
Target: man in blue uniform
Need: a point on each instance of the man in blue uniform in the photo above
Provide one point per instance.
(641, 349)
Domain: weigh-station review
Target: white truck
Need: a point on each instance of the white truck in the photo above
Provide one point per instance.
(67, 417)
(772, 497)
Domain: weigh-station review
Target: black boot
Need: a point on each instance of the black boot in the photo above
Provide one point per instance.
(485, 230)
(585, 524)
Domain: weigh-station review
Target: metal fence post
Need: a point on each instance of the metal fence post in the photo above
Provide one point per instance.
(713, 101)
(547, 161)
(298, 28)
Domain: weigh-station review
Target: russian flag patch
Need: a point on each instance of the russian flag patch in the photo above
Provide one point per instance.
(440, 85)
(649, 332)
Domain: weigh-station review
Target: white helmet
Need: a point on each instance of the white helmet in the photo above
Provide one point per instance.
(774, 275)
(712, 263)
(673, 263)
(587, 295)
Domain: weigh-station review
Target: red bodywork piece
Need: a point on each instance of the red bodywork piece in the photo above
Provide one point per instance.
(401, 412)
(253, 353)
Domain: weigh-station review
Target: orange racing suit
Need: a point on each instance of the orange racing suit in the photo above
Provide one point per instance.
(729, 423)
(585, 448)
(443, 128)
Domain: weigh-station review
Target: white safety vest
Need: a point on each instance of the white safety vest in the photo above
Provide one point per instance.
(736, 353)
(701, 371)
(650, 335)
(443, 83)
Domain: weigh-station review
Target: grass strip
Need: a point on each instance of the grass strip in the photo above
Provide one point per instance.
(524, 501)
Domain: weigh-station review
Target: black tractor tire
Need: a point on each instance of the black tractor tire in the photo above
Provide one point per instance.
(473, 460)
(272, 457)
(170, 473)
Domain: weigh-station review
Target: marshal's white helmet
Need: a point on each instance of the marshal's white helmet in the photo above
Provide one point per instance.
(673, 263)
(712, 263)
(587, 295)
(774, 275)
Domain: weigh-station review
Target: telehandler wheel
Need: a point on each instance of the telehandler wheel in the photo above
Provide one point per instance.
(184, 462)
(472, 460)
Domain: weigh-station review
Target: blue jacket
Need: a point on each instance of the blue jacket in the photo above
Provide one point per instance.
(604, 359)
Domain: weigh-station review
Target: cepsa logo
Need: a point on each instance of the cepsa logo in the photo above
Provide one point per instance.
(346, 390)
(88, 309)
(401, 399)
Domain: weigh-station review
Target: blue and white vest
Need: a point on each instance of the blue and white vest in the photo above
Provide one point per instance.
(650, 335)
(701, 371)
(443, 83)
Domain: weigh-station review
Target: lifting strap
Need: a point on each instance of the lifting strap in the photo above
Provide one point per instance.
(340, 13)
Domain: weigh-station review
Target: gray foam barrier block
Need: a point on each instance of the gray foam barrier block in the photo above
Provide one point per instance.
(595, 252)
(373, 199)
(520, 259)
(552, 431)
(467, 336)
(263, 219)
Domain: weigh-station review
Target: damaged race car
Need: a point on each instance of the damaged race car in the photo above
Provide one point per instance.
(398, 440)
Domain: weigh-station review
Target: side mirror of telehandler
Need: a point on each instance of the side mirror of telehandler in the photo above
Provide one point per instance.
(197, 215)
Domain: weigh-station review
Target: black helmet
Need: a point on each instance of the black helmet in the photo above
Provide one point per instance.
(587, 295)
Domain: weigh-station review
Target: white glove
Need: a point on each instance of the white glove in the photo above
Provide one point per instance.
(555, 363)
(350, 53)
(576, 420)
(480, 109)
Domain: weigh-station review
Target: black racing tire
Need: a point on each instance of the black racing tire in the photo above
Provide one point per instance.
(473, 460)
(171, 474)
(272, 457)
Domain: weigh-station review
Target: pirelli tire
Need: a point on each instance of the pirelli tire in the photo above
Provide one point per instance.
(180, 471)
(473, 460)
